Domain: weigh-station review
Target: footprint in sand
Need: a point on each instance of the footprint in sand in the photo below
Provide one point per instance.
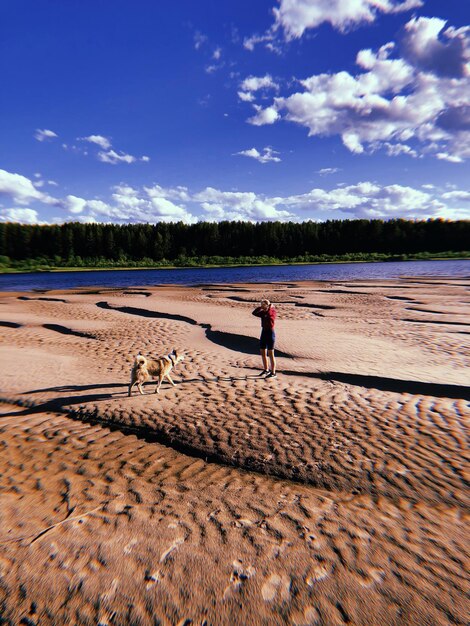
(239, 575)
(317, 573)
(153, 577)
(308, 617)
(173, 547)
(370, 577)
(130, 546)
(276, 586)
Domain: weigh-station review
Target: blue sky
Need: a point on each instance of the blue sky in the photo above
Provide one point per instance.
(154, 111)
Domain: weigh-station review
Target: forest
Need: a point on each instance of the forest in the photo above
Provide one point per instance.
(204, 243)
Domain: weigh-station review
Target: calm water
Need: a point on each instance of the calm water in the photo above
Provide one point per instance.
(278, 273)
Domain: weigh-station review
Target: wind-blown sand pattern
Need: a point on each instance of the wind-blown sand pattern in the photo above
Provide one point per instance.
(335, 494)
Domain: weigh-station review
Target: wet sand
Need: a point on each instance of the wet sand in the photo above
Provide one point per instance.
(336, 493)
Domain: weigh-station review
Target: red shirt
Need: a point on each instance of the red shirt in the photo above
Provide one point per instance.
(267, 317)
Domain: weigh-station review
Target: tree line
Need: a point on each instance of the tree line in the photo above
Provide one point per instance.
(92, 244)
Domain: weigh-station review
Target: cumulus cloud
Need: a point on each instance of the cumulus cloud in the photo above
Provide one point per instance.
(99, 140)
(179, 193)
(253, 84)
(20, 215)
(370, 200)
(401, 100)
(74, 204)
(44, 134)
(239, 205)
(266, 156)
(156, 203)
(113, 157)
(246, 96)
(107, 154)
(269, 115)
(366, 200)
(296, 16)
(151, 205)
(429, 47)
(21, 189)
(461, 196)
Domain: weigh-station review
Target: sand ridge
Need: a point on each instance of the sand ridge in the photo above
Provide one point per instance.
(333, 494)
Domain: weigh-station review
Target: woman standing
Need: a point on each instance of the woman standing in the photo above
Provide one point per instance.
(267, 313)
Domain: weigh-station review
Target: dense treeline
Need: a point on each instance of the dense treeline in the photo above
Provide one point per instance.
(92, 244)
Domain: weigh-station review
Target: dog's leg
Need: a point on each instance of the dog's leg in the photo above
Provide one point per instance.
(141, 389)
(157, 388)
(169, 378)
(132, 383)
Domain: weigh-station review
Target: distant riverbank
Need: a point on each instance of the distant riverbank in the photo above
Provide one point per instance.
(46, 265)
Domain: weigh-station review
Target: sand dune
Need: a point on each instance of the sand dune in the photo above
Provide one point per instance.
(336, 493)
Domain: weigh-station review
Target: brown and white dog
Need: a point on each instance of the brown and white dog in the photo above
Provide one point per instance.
(146, 369)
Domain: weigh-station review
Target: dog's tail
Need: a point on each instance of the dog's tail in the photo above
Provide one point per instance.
(140, 361)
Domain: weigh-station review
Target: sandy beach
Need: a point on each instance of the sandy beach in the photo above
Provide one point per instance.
(336, 493)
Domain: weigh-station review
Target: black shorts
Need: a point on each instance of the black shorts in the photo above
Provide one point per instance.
(267, 340)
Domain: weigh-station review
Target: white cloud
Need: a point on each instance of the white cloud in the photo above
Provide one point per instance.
(370, 200)
(253, 84)
(172, 193)
(393, 103)
(45, 134)
(99, 140)
(446, 55)
(326, 171)
(156, 203)
(296, 16)
(21, 189)
(130, 205)
(217, 54)
(167, 211)
(199, 40)
(395, 149)
(452, 158)
(21, 215)
(268, 155)
(462, 196)
(107, 154)
(269, 115)
(268, 38)
(74, 204)
(113, 157)
(246, 96)
(235, 205)
(366, 200)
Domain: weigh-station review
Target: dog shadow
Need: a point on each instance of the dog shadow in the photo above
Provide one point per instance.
(62, 404)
